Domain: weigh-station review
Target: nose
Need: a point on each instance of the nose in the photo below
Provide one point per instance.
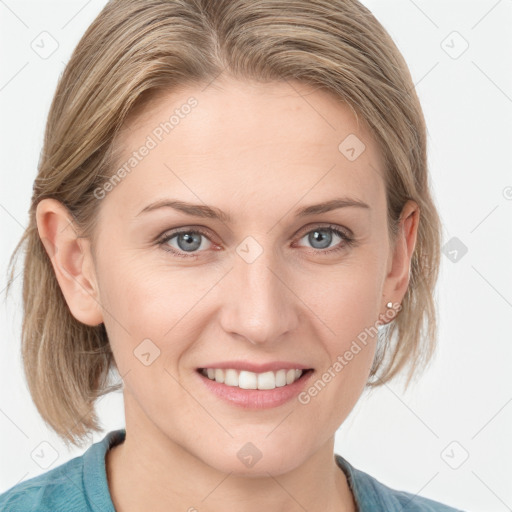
(258, 301)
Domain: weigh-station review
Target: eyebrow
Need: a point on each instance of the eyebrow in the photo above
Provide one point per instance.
(210, 212)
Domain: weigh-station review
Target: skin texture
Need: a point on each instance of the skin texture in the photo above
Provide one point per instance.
(258, 152)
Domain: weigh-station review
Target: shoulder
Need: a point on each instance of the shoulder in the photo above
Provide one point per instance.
(372, 495)
(78, 485)
(55, 490)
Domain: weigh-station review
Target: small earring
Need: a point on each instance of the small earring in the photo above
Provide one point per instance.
(389, 305)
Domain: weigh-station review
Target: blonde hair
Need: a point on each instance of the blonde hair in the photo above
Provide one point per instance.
(135, 49)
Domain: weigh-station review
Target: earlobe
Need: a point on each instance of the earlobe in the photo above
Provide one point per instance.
(71, 260)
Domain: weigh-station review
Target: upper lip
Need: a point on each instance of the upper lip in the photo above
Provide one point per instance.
(257, 367)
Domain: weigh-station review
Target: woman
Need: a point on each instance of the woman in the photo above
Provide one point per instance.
(232, 210)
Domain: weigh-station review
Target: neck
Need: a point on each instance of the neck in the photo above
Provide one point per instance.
(150, 471)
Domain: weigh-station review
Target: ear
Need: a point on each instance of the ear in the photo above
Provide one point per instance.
(397, 279)
(71, 259)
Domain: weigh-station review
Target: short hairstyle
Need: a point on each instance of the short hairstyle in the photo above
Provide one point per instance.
(136, 49)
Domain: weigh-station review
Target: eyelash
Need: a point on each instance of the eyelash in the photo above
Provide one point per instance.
(348, 241)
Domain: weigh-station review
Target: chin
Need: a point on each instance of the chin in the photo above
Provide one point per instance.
(249, 461)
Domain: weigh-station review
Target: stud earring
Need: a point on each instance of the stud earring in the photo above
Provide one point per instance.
(389, 305)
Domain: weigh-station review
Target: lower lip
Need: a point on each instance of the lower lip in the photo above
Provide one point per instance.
(256, 398)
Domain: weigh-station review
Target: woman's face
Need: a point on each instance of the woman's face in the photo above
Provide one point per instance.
(257, 282)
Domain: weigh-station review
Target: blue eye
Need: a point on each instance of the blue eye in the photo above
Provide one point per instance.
(190, 241)
(317, 236)
(187, 241)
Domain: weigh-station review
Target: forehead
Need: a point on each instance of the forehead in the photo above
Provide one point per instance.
(246, 142)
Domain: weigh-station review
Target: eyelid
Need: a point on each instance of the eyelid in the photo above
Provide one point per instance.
(346, 235)
(311, 227)
(167, 235)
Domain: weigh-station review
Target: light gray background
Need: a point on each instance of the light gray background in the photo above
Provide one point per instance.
(416, 441)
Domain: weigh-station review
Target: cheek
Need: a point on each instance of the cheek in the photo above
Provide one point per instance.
(346, 299)
(146, 302)
(348, 310)
(347, 303)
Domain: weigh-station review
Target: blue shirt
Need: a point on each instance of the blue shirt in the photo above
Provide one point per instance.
(80, 485)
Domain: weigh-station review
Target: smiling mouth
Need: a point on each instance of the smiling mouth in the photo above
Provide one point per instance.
(250, 380)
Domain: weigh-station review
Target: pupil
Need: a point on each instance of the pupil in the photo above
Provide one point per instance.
(190, 240)
(324, 239)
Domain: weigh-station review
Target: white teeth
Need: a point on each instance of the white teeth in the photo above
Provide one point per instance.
(247, 380)
(266, 380)
(231, 378)
(280, 378)
(219, 375)
(251, 380)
